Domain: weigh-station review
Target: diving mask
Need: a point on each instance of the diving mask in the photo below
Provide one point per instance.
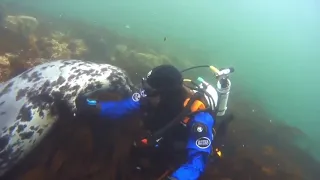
(147, 90)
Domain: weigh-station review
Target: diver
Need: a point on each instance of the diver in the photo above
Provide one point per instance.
(172, 113)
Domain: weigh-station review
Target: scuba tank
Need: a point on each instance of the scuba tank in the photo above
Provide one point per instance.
(223, 88)
(220, 95)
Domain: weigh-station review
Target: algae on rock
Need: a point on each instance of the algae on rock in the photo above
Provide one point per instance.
(5, 65)
(25, 25)
(60, 45)
(152, 60)
(149, 60)
(77, 47)
(56, 49)
(4, 61)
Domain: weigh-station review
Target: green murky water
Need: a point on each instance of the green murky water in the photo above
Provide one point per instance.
(273, 44)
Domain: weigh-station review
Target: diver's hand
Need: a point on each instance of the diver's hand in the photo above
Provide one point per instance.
(85, 105)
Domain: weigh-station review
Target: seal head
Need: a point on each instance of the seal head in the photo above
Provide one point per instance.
(27, 101)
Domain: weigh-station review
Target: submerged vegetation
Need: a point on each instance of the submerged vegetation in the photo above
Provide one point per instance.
(254, 147)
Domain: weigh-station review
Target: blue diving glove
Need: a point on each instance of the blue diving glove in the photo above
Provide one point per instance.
(85, 105)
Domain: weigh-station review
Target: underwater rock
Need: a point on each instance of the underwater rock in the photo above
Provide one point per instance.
(4, 61)
(56, 49)
(4, 68)
(77, 48)
(60, 46)
(152, 60)
(5, 65)
(136, 62)
(113, 59)
(148, 60)
(23, 28)
(59, 36)
(122, 49)
(122, 53)
(25, 25)
(33, 102)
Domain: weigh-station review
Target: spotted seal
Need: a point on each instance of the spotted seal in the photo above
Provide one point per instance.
(25, 117)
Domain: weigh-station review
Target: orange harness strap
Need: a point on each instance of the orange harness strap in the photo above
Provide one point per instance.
(196, 106)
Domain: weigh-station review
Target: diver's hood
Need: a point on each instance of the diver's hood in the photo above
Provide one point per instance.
(147, 90)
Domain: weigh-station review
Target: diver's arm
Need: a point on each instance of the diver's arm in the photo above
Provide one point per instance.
(111, 109)
(118, 109)
(199, 148)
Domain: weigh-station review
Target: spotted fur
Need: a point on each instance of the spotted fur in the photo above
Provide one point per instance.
(26, 101)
